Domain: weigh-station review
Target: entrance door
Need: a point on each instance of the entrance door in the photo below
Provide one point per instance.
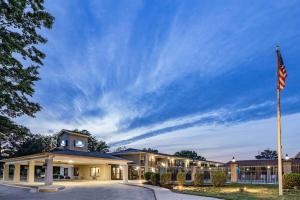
(116, 172)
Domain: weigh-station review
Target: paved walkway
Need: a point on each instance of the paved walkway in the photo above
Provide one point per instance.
(166, 194)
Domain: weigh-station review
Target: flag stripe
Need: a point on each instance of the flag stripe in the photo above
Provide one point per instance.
(281, 71)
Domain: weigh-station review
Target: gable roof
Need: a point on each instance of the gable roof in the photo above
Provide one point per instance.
(72, 133)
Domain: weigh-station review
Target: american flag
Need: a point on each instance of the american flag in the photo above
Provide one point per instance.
(281, 71)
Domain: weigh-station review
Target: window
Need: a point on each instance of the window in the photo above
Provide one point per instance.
(79, 143)
(76, 171)
(142, 160)
(64, 143)
(95, 171)
(66, 171)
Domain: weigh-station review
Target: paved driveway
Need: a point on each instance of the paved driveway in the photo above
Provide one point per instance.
(82, 191)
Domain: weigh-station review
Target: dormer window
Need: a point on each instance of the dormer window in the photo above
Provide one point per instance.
(79, 143)
(64, 143)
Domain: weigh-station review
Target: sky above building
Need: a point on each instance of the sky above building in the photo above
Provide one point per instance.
(172, 75)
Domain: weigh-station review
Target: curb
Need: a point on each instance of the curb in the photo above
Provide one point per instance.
(153, 191)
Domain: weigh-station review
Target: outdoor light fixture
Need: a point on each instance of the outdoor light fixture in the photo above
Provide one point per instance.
(201, 168)
(233, 159)
(269, 167)
(153, 170)
(209, 168)
(137, 168)
(70, 161)
(287, 157)
(163, 164)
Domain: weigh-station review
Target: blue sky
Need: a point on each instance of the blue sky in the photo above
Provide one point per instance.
(172, 75)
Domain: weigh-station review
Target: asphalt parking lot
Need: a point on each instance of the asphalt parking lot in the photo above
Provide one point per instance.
(80, 191)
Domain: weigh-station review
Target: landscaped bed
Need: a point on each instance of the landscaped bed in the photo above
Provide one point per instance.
(240, 192)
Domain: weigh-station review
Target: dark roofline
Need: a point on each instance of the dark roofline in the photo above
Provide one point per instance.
(132, 150)
(59, 151)
(72, 133)
(260, 162)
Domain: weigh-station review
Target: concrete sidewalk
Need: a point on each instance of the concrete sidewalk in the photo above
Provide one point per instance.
(166, 194)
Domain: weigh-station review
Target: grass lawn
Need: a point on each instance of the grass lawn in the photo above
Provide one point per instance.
(232, 192)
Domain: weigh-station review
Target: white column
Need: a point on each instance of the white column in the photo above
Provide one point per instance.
(49, 171)
(70, 172)
(17, 173)
(30, 172)
(5, 172)
(61, 170)
(146, 162)
(125, 173)
(193, 172)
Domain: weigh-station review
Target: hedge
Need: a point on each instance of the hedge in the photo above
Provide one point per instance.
(148, 176)
(198, 179)
(181, 178)
(291, 180)
(155, 178)
(165, 178)
(218, 179)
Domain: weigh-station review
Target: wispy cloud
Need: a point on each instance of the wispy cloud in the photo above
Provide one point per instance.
(132, 72)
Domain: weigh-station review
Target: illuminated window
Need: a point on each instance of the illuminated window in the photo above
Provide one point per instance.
(79, 143)
(64, 143)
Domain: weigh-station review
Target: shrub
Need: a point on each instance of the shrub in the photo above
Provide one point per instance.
(165, 178)
(291, 180)
(218, 179)
(155, 178)
(181, 178)
(148, 176)
(198, 179)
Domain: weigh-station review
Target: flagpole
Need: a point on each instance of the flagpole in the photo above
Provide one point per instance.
(279, 147)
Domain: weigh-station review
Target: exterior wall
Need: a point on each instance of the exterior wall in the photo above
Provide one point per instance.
(71, 138)
(84, 172)
(287, 167)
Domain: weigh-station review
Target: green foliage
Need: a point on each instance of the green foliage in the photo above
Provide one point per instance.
(198, 179)
(94, 144)
(11, 136)
(20, 22)
(291, 180)
(189, 154)
(181, 177)
(218, 179)
(36, 143)
(267, 154)
(148, 176)
(155, 178)
(150, 150)
(165, 178)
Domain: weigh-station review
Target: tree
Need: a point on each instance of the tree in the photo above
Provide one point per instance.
(267, 154)
(36, 143)
(19, 62)
(150, 150)
(93, 143)
(19, 22)
(189, 154)
(11, 136)
(120, 148)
